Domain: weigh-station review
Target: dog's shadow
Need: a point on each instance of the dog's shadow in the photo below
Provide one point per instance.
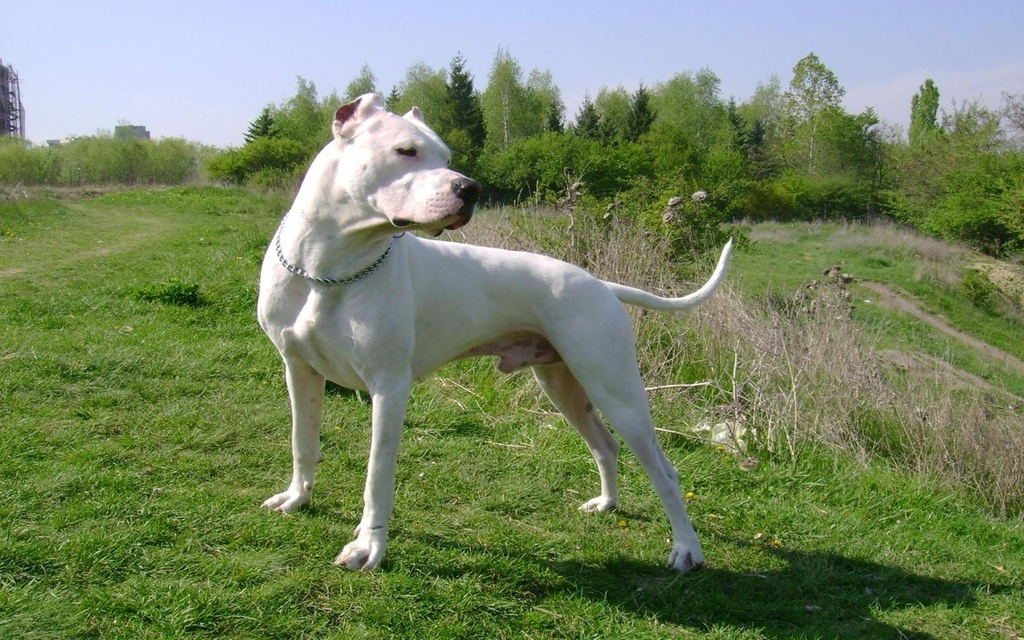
(813, 594)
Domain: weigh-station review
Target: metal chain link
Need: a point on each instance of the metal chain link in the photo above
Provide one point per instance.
(330, 282)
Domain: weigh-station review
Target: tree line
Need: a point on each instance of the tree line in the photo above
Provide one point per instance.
(789, 152)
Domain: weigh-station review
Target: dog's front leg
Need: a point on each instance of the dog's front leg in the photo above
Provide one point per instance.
(389, 404)
(306, 392)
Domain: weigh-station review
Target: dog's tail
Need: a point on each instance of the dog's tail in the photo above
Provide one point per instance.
(629, 295)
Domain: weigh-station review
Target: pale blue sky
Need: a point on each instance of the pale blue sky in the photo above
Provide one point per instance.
(202, 70)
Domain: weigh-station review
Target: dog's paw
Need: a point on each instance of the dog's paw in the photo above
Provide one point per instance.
(685, 559)
(287, 501)
(363, 554)
(599, 504)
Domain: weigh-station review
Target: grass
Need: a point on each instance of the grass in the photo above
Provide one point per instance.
(140, 435)
(929, 270)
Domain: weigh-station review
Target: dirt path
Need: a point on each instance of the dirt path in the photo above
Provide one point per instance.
(94, 232)
(889, 297)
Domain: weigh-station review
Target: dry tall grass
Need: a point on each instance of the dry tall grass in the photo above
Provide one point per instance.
(800, 372)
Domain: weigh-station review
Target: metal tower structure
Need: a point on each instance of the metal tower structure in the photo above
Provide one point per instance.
(12, 111)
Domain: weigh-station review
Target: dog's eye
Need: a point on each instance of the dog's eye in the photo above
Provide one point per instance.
(408, 152)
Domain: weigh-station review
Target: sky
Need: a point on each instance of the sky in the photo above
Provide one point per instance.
(204, 70)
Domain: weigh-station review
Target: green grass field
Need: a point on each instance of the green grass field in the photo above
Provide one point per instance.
(144, 418)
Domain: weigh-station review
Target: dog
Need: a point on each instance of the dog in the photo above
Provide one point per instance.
(347, 295)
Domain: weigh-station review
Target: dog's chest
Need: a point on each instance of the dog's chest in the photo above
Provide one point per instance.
(325, 342)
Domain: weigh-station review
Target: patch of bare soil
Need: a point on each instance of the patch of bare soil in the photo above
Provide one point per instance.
(1009, 278)
(890, 297)
(16, 193)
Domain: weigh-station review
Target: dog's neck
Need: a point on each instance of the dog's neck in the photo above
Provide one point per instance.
(329, 251)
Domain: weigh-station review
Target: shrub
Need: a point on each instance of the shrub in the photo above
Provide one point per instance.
(262, 157)
(976, 287)
(541, 166)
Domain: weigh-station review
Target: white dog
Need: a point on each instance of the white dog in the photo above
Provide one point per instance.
(346, 296)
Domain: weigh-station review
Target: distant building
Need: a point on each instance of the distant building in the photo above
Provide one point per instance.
(131, 132)
(12, 111)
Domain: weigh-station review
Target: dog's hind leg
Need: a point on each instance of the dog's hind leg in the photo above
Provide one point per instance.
(306, 392)
(625, 407)
(571, 400)
(609, 374)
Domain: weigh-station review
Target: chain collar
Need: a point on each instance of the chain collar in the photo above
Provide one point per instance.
(330, 282)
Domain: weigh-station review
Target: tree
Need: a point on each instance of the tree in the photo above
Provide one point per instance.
(426, 88)
(365, 82)
(464, 104)
(392, 100)
(764, 114)
(924, 109)
(613, 108)
(1013, 112)
(510, 110)
(640, 116)
(979, 176)
(588, 122)
(262, 126)
(814, 94)
(545, 99)
(691, 120)
(464, 120)
(305, 118)
(766, 106)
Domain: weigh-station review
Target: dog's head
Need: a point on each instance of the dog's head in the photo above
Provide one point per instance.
(398, 167)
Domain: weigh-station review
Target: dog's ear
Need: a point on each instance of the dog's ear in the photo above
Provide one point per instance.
(348, 116)
(415, 114)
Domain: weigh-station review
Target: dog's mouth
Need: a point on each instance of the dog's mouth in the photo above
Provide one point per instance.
(458, 224)
(454, 222)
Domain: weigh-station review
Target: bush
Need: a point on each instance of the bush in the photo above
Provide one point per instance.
(99, 160)
(543, 166)
(979, 290)
(20, 164)
(267, 159)
(823, 197)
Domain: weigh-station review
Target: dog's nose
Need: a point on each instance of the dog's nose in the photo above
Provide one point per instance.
(467, 190)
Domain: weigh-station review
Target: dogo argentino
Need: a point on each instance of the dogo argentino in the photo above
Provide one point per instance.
(346, 296)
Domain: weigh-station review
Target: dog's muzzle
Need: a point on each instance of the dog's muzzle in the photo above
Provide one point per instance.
(467, 190)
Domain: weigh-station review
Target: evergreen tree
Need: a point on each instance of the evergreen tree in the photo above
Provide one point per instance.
(588, 122)
(464, 105)
(393, 99)
(262, 126)
(755, 150)
(640, 116)
(556, 118)
(924, 110)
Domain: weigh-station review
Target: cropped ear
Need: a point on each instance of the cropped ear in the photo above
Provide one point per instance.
(415, 114)
(348, 116)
